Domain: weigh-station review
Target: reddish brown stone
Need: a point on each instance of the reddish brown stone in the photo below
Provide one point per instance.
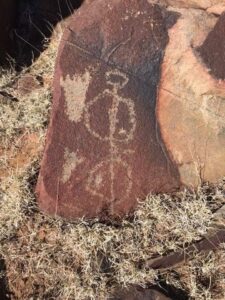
(27, 84)
(7, 21)
(213, 49)
(104, 148)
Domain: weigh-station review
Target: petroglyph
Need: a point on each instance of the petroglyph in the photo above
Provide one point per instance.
(72, 160)
(75, 90)
(96, 178)
(75, 94)
(116, 81)
(116, 101)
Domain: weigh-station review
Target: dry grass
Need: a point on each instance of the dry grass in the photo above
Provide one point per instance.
(48, 258)
(54, 259)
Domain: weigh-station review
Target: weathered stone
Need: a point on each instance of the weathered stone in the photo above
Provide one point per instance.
(191, 102)
(213, 50)
(104, 148)
(7, 22)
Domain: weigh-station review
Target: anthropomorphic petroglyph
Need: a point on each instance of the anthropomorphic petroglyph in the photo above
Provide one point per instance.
(114, 90)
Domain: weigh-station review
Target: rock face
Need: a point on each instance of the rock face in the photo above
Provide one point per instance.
(7, 21)
(191, 100)
(104, 148)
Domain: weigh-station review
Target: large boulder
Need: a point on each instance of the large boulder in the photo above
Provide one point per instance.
(135, 110)
(104, 149)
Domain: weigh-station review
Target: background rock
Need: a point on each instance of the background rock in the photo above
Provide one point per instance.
(191, 103)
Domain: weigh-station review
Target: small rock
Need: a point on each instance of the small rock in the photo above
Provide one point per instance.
(26, 84)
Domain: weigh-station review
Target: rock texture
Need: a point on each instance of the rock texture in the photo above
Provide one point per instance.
(7, 22)
(191, 99)
(104, 148)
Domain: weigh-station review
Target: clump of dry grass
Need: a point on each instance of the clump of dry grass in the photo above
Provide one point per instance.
(49, 258)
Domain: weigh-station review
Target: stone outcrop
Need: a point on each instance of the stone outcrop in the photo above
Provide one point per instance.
(104, 148)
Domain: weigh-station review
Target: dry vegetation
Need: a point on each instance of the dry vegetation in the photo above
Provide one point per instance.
(49, 258)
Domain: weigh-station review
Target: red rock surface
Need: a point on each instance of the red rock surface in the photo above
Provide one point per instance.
(104, 148)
